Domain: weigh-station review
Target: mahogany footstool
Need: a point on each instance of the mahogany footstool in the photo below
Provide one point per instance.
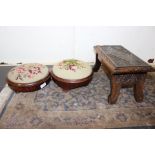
(28, 77)
(71, 73)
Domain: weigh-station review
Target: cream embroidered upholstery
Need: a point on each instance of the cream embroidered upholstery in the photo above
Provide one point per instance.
(28, 73)
(72, 69)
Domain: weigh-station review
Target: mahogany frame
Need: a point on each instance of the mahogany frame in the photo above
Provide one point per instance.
(28, 87)
(67, 84)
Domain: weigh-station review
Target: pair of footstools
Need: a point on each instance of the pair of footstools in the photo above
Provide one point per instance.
(67, 74)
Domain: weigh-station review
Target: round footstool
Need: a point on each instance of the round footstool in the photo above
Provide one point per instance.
(72, 73)
(28, 77)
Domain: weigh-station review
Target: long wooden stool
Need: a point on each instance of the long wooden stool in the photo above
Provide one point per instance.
(123, 68)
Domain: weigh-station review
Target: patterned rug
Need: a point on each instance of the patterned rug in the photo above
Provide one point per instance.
(84, 107)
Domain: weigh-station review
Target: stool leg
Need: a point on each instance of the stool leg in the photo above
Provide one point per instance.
(97, 64)
(115, 91)
(139, 88)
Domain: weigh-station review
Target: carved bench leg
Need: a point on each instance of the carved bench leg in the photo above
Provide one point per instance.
(115, 91)
(97, 64)
(139, 88)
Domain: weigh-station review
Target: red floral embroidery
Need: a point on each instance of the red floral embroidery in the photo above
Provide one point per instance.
(71, 65)
(27, 71)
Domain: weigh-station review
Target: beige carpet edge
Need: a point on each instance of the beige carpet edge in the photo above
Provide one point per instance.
(4, 96)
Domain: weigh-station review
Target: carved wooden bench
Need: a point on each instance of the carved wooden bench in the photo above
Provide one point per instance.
(123, 68)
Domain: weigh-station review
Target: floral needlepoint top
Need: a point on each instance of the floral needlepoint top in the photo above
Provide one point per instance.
(72, 65)
(72, 69)
(28, 73)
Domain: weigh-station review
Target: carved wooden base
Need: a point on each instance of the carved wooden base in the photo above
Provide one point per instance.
(118, 81)
(124, 81)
